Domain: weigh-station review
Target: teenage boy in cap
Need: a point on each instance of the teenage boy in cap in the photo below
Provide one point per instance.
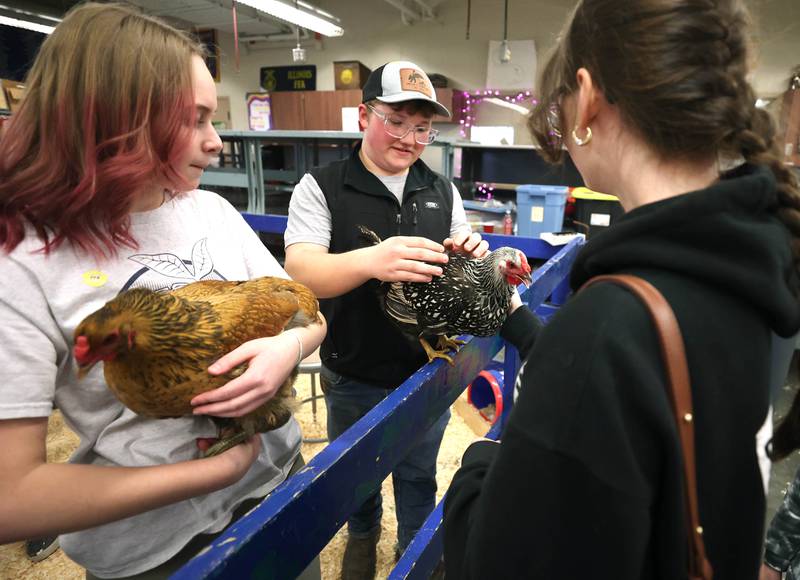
(386, 187)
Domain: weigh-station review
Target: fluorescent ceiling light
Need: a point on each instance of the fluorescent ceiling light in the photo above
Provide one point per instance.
(19, 18)
(5, 20)
(294, 16)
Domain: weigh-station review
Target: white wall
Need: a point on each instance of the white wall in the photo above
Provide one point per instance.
(374, 34)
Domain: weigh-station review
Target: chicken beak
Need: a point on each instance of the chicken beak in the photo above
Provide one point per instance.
(83, 370)
(81, 351)
(524, 273)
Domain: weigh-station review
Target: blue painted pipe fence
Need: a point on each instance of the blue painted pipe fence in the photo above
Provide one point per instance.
(282, 535)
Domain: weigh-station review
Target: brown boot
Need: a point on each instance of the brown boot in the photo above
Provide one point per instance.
(360, 557)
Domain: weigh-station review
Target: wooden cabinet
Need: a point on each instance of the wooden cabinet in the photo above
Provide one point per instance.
(287, 110)
(322, 110)
(311, 110)
(789, 130)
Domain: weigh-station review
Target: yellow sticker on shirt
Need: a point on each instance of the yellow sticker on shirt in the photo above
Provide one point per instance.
(94, 278)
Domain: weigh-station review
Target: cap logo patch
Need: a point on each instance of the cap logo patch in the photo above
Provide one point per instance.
(412, 80)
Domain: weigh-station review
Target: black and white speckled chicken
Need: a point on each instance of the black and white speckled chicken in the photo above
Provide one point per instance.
(470, 297)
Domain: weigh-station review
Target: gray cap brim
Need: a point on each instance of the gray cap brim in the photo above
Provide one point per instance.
(415, 96)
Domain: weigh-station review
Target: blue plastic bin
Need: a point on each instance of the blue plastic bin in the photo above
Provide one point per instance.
(540, 208)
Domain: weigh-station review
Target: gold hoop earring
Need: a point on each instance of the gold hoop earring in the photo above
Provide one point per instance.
(581, 142)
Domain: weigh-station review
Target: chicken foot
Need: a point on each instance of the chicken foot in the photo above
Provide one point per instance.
(226, 443)
(233, 433)
(434, 353)
(445, 343)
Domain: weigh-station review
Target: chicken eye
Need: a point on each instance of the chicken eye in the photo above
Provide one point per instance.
(110, 339)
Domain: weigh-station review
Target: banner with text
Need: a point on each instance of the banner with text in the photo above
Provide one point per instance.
(289, 78)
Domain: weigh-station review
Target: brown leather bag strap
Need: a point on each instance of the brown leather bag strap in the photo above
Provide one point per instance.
(674, 356)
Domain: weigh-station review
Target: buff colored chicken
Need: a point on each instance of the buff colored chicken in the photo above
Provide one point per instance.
(156, 346)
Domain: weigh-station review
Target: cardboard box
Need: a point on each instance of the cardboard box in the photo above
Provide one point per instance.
(15, 92)
(349, 74)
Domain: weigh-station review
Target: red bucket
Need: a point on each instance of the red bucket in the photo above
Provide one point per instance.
(485, 393)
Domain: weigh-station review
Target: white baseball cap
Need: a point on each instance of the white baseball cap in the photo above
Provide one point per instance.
(399, 81)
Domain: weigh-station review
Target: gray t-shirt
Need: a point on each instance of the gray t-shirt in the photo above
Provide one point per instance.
(310, 217)
(197, 236)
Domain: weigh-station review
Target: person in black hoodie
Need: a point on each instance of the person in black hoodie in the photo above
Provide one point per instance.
(650, 99)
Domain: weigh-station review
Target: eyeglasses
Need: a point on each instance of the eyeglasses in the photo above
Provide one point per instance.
(424, 135)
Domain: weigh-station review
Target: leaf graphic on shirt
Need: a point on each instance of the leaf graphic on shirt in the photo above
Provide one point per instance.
(201, 260)
(168, 265)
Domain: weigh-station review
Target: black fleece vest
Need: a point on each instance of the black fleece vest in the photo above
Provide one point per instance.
(362, 343)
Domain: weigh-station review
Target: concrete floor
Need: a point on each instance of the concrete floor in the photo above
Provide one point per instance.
(784, 471)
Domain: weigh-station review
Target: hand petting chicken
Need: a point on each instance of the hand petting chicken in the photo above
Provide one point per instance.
(157, 347)
(472, 296)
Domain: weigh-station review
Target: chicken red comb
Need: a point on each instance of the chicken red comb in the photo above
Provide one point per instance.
(81, 350)
(524, 262)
